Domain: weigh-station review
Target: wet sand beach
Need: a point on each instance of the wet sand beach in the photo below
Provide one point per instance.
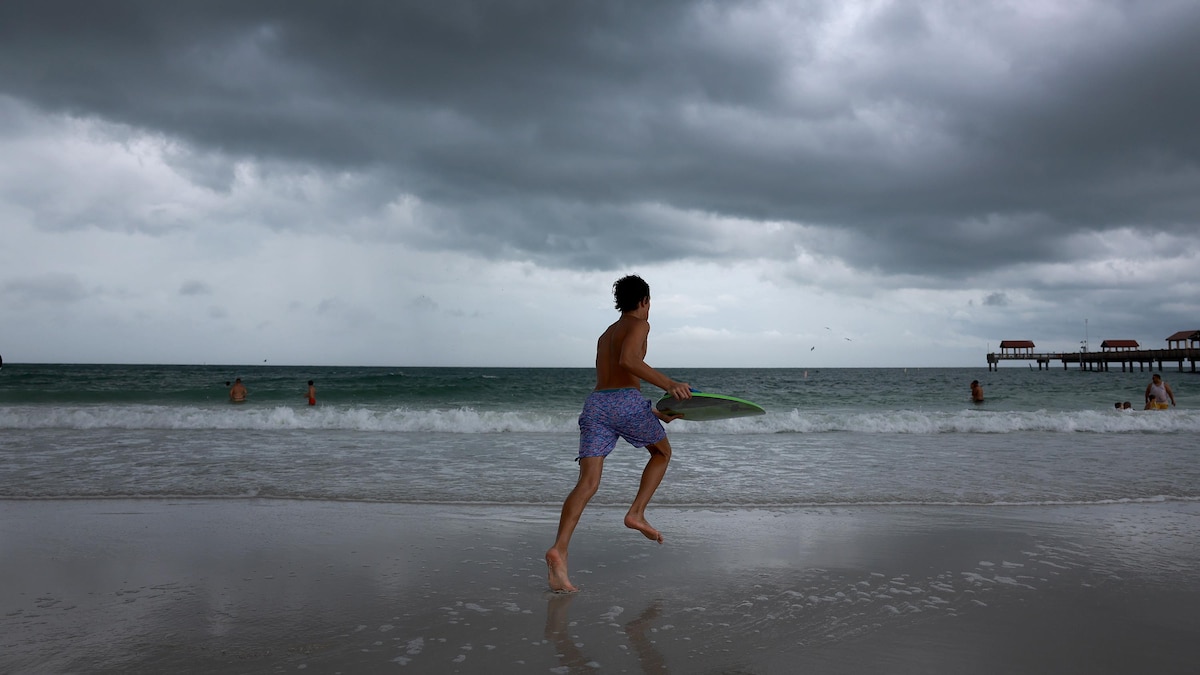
(264, 586)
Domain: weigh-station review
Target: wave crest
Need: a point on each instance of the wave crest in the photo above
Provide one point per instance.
(469, 420)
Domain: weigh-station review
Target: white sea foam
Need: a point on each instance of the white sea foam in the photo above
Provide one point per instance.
(454, 420)
(470, 420)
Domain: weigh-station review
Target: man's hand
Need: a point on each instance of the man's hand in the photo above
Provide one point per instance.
(664, 416)
(680, 390)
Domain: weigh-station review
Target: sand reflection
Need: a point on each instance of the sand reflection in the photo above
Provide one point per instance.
(575, 660)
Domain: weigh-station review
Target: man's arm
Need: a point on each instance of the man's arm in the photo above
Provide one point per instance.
(632, 359)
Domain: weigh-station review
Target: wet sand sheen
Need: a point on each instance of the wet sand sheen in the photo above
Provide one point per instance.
(267, 586)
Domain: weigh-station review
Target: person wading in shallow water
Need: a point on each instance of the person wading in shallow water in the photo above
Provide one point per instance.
(1158, 393)
(237, 393)
(976, 391)
(616, 409)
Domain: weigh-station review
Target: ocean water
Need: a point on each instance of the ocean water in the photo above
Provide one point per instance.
(509, 436)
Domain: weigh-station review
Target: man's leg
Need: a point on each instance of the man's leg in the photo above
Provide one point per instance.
(652, 475)
(590, 469)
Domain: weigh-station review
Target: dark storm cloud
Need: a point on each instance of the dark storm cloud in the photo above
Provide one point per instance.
(995, 300)
(194, 287)
(935, 138)
(51, 289)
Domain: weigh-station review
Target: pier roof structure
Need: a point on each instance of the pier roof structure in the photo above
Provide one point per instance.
(1178, 340)
(1119, 344)
(1016, 345)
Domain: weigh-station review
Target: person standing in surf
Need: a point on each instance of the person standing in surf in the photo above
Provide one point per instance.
(1158, 393)
(237, 393)
(616, 409)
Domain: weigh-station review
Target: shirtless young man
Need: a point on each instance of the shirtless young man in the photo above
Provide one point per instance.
(616, 408)
(237, 393)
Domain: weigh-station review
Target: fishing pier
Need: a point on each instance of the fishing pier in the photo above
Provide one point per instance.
(1182, 348)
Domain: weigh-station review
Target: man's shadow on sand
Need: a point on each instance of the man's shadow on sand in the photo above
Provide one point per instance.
(574, 659)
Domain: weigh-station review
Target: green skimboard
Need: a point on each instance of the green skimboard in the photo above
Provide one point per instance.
(704, 407)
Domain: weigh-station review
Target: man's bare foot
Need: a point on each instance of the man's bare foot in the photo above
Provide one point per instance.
(556, 570)
(639, 523)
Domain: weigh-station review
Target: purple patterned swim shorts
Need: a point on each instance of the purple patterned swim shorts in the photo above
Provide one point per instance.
(612, 413)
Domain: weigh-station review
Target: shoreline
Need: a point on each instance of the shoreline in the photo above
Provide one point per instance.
(276, 585)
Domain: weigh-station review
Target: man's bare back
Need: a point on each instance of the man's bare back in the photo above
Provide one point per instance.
(621, 356)
(609, 372)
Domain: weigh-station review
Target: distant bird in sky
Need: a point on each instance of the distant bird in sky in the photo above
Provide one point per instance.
(849, 340)
(812, 348)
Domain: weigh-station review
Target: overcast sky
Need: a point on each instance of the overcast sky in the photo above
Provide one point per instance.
(803, 184)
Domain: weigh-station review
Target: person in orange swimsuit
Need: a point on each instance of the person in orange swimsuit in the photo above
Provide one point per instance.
(312, 393)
